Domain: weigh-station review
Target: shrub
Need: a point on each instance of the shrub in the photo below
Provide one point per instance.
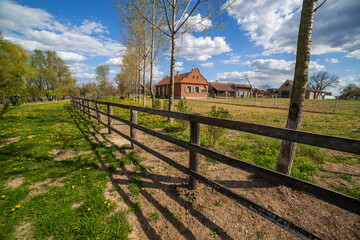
(5, 108)
(157, 103)
(182, 106)
(215, 133)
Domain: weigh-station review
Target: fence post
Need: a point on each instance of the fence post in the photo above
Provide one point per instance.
(110, 120)
(97, 106)
(83, 106)
(336, 103)
(89, 111)
(255, 98)
(193, 156)
(275, 100)
(133, 119)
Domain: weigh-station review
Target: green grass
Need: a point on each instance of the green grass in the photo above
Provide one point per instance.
(50, 212)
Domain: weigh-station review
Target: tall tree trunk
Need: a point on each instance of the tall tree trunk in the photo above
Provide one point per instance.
(144, 82)
(287, 150)
(172, 77)
(152, 53)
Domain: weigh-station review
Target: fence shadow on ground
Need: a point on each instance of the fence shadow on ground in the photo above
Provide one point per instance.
(87, 128)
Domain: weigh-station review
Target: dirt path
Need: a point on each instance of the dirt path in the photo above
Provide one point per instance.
(168, 210)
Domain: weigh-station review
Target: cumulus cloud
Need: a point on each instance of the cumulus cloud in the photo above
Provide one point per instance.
(274, 25)
(232, 60)
(207, 64)
(71, 56)
(201, 48)
(179, 66)
(196, 23)
(87, 76)
(115, 61)
(35, 28)
(271, 71)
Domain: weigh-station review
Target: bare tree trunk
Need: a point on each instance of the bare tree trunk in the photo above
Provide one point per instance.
(144, 82)
(152, 52)
(172, 77)
(287, 150)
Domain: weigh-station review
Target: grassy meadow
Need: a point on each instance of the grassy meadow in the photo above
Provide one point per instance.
(42, 196)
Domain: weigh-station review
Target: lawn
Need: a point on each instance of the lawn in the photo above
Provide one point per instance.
(50, 182)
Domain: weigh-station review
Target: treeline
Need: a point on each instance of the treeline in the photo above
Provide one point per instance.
(33, 77)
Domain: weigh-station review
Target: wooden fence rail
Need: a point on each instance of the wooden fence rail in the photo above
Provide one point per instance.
(331, 142)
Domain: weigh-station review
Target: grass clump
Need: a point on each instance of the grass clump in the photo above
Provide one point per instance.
(49, 189)
(213, 133)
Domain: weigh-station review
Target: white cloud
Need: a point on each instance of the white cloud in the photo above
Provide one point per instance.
(274, 25)
(179, 66)
(354, 54)
(89, 27)
(115, 61)
(332, 60)
(202, 48)
(196, 23)
(232, 60)
(272, 71)
(35, 28)
(89, 76)
(207, 64)
(71, 56)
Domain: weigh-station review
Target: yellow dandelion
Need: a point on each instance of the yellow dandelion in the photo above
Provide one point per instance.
(84, 176)
(109, 204)
(142, 188)
(89, 209)
(13, 209)
(2, 196)
(72, 186)
(105, 202)
(113, 199)
(17, 206)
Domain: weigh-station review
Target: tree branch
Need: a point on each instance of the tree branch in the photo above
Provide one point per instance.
(320, 5)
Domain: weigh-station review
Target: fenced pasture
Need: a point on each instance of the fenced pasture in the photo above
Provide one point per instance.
(310, 105)
(91, 108)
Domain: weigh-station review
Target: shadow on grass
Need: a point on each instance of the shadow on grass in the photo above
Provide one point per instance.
(87, 128)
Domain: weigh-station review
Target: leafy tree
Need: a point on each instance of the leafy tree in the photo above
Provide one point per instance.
(322, 80)
(102, 77)
(350, 90)
(13, 68)
(53, 78)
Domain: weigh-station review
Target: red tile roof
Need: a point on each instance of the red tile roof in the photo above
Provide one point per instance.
(182, 78)
(241, 85)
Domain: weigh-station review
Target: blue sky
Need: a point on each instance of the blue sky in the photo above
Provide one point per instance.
(259, 39)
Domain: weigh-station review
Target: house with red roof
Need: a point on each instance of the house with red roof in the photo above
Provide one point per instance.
(284, 91)
(186, 85)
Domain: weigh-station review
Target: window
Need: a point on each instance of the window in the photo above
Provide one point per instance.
(197, 89)
(188, 89)
(203, 90)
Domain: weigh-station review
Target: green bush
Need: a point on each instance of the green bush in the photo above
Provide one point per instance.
(5, 108)
(157, 103)
(215, 133)
(182, 106)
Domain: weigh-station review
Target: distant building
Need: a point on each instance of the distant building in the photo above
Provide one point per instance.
(190, 85)
(284, 91)
(271, 92)
(218, 89)
(241, 90)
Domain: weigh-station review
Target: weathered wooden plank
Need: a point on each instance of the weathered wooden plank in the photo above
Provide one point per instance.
(110, 120)
(319, 140)
(327, 195)
(280, 221)
(133, 134)
(193, 156)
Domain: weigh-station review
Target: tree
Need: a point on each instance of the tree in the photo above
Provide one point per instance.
(350, 90)
(105, 87)
(264, 87)
(178, 15)
(287, 149)
(322, 80)
(13, 68)
(53, 78)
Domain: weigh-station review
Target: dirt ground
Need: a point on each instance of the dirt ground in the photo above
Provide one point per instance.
(170, 211)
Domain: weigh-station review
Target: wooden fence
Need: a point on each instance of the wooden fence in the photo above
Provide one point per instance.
(341, 144)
